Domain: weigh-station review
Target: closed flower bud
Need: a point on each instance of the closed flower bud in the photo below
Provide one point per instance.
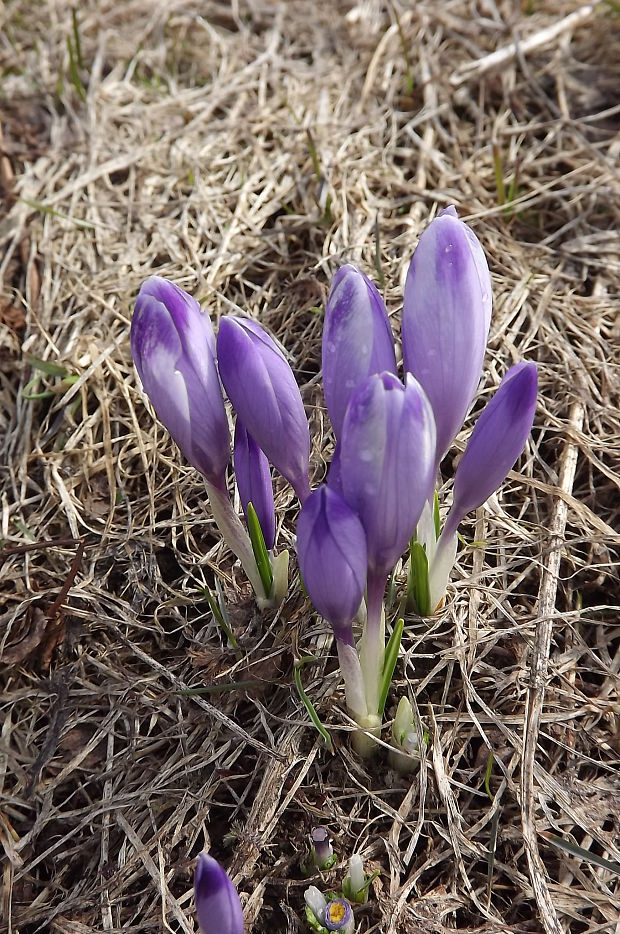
(254, 481)
(262, 389)
(387, 457)
(173, 348)
(357, 339)
(331, 548)
(496, 442)
(217, 903)
(446, 319)
(322, 849)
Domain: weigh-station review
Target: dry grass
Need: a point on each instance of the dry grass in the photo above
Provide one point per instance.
(189, 155)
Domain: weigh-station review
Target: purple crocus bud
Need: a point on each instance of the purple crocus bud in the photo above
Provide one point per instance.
(254, 481)
(496, 442)
(446, 320)
(339, 916)
(331, 548)
(322, 849)
(357, 339)
(387, 457)
(217, 903)
(173, 348)
(261, 386)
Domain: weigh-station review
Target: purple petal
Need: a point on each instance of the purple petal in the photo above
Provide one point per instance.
(171, 344)
(387, 458)
(331, 548)
(217, 903)
(262, 389)
(446, 320)
(496, 442)
(357, 339)
(338, 916)
(254, 481)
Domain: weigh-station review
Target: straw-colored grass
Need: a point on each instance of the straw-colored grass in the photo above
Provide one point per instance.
(179, 139)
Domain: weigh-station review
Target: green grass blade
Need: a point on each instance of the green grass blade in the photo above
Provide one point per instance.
(436, 516)
(308, 703)
(585, 855)
(260, 550)
(46, 366)
(391, 657)
(74, 74)
(487, 777)
(76, 39)
(419, 587)
(221, 618)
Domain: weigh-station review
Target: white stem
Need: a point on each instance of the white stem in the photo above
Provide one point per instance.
(353, 679)
(439, 571)
(236, 538)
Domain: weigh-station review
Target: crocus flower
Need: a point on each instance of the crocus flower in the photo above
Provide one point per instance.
(331, 548)
(339, 916)
(262, 389)
(322, 849)
(254, 481)
(357, 339)
(386, 461)
(316, 902)
(387, 458)
(496, 442)
(173, 348)
(217, 903)
(446, 319)
(355, 885)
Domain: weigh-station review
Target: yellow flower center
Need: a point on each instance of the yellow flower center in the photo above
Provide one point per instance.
(336, 912)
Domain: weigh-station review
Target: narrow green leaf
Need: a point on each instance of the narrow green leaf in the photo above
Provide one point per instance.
(46, 366)
(491, 856)
(307, 702)
(389, 664)
(76, 39)
(46, 209)
(260, 550)
(586, 855)
(74, 74)
(419, 588)
(436, 516)
(220, 617)
(487, 776)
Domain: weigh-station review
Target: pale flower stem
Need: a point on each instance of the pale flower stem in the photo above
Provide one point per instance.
(353, 679)
(236, 537)
(372, 645)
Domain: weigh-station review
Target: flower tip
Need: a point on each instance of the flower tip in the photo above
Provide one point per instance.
(217, 903)
(450, 211)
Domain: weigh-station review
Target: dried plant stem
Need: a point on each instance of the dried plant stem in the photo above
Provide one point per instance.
(538, 677)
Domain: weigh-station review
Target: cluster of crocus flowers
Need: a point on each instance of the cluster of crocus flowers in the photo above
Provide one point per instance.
(391, 433)
(182, 368)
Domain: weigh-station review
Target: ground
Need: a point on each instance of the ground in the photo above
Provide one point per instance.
(245, 150)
